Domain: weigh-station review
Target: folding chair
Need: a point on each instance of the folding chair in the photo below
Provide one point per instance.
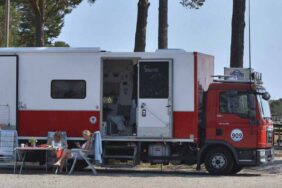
(8, 143)
(93, 156)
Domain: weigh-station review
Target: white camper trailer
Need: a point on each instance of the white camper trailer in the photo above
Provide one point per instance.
(125, 95)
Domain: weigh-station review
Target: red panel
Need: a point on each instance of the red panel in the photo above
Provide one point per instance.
(195, 129)
(38, 123)
(183, 124)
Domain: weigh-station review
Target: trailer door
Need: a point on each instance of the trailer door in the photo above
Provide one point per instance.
(8, 90)
(154, 119)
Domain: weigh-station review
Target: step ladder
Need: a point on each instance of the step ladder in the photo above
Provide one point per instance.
(121, 152)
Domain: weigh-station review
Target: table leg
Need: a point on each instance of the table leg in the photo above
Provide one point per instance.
(15, 164)
(23, 162)
(46, 161)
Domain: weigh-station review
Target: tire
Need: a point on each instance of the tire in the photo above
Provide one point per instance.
(236, 168)
(219, 161)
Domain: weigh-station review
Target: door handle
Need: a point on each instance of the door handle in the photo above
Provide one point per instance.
(143, 105)
(224, 123)
(168, 106)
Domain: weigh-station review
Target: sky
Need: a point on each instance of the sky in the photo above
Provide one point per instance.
(111, 25)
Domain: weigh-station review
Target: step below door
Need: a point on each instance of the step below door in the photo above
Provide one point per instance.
(8, 91)
(154, 99)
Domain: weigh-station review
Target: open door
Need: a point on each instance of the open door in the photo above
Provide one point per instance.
(154, 112)
(8, 91)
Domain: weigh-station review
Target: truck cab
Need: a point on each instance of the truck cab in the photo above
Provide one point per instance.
(238, 121)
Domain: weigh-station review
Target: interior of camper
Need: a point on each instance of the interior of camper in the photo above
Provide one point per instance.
(119, 97)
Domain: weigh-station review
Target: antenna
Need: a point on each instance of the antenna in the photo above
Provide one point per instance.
(250, 52)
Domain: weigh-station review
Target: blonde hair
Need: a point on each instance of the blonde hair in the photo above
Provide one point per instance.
(87, 133)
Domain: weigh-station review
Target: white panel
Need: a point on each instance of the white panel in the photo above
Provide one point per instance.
(183, 78)
(8, 83)
(183, 82)
(205, 70)
(37, 70)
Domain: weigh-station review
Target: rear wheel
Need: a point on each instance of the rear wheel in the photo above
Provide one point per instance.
(219, 161)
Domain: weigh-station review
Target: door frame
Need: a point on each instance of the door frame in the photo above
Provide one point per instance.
(17, 86)
(170, 88)
(102, 59)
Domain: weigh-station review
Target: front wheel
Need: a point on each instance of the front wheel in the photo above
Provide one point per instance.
(236, 168)
(219, 161)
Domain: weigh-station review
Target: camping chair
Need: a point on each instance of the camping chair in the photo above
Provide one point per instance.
(93, 154)
(51, 159)
(8, 143)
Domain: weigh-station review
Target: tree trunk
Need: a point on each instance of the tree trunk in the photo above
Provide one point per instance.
(39, 21)
(141, 26)
(162, 40)
(237, 36)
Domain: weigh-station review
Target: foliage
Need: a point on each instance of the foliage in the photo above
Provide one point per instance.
(23, 21)
(14, 23)
(59, 44)
(276, 107)
(192, 4)
(53, 19)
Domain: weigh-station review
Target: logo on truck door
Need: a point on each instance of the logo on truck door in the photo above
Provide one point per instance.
(236, 135)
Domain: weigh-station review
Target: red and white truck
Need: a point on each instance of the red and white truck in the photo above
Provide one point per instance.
(158, 107)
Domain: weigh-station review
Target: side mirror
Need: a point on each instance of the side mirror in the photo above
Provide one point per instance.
(266, 96)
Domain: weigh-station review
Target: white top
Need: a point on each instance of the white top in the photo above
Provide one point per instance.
(57, 145)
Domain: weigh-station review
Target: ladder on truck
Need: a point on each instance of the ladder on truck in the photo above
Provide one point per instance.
(121, 152)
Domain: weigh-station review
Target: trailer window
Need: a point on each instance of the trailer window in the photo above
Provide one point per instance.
(234, 104)
(154, 80)
(68, 89)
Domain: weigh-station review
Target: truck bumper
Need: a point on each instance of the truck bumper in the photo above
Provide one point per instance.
(255, 157)
(265, 156)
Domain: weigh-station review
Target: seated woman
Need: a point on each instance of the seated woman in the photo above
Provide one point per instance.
(58, 143)
(68, 154)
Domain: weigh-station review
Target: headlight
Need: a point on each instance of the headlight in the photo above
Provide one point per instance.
(262, 153)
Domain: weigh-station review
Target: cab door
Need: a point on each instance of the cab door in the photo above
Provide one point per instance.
(232, 119)
(154, 111)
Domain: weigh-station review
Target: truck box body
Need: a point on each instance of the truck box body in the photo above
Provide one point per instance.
(36, 79)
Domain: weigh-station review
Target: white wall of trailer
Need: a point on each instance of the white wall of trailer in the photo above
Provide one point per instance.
(8, 90)
(183, 74)
(37, 70)
(39, 66)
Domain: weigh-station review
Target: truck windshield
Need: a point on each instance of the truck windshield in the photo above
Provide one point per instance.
(264, 107)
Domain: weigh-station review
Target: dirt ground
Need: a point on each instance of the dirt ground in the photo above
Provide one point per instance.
(265, 176)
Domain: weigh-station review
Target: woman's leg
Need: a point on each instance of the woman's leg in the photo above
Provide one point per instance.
(65, 155)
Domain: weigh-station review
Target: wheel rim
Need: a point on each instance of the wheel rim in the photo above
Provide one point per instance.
(218, 161)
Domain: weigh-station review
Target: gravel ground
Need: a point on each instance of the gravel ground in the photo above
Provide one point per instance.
(264, 176)
(268, 176)
(126, 180)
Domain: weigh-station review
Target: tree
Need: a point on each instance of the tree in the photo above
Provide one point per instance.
(42, 20)
(141, 26)
(14, 25)
(237, 36)
(163, 26)
(192, 4)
